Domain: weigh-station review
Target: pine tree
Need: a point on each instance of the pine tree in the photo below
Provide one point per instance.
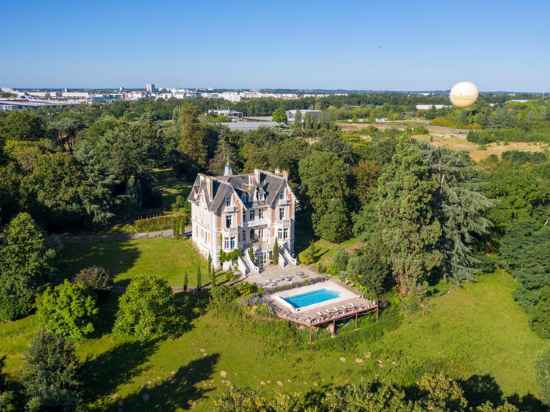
(25, 264)
(406, 225)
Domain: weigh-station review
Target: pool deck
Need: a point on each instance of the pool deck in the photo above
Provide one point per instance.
(350, 305)
(276, 278)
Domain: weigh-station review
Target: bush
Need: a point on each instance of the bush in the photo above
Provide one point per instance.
(52, 379)
(147, 309)
(339, 262)
(222, 296)
(67, 310)
(516, 156)
(95, 278)
(176, 222)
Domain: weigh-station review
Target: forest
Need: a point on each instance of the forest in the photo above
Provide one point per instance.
(425, 215)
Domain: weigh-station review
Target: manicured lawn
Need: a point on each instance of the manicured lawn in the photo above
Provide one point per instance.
(477, 329)
(169, 258)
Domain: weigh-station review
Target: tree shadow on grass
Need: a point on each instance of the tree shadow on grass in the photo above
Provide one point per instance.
(115, 255)
(177, 392)
(481, 388)
(107, 302)
(104, 373)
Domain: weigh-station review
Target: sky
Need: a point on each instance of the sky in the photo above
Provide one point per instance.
(367, 44)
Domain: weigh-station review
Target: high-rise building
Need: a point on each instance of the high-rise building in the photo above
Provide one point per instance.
(150, 88)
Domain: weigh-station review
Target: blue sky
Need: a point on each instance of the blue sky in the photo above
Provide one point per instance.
(368, 44)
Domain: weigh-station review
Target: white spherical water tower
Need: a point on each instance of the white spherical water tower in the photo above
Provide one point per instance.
(464, 94)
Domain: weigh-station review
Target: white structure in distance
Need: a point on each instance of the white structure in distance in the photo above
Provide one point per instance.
(464, 94)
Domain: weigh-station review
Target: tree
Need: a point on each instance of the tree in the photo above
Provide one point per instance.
(406, 224)
(52, 380)
(70, 204)
(324, 178)
(22, 125)
(370, 268)
(7, 396)
(334, 223)
(192, 135)
(460, 209)
(543, 374)
(185, 282)
(95, 278)
(67, 310)
(365, 174)
(147, 309)
(275, 253)
(279, 115)
(25, 265)
(66, 128)
(199, 279)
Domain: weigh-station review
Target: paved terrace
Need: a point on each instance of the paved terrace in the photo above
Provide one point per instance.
(273, 277)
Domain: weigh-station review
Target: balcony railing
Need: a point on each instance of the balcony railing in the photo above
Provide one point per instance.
(257, 222)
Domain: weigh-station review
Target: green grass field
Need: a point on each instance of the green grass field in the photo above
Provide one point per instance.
(169, 258)
(474, 330)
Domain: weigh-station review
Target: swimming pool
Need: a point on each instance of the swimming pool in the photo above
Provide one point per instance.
(311, 298)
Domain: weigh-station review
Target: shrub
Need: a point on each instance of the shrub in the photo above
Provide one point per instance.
(52, 379)
(147, 309)
(95, 277)
(516, 156)
(67, 310)
(339, 262)
(222, 296)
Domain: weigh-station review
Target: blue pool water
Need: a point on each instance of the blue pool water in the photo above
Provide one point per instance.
(311, 298)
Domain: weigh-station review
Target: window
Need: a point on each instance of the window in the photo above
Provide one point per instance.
(228, 221)
(260, 213)
(228, 201)
(280, 234)
(281, 213)
(285, 233)
(281, 195)
(252, 217)
(260, 234)
(229, 243)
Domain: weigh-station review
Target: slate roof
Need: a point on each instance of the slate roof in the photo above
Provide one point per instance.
(245, 186)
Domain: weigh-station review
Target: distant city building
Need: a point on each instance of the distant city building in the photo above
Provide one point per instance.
(232, 114)
(291, 114)
(132, 95)
(75, 95)
(431, 106)
(150, 88)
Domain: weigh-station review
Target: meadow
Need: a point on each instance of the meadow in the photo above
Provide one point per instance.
(471, 332)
